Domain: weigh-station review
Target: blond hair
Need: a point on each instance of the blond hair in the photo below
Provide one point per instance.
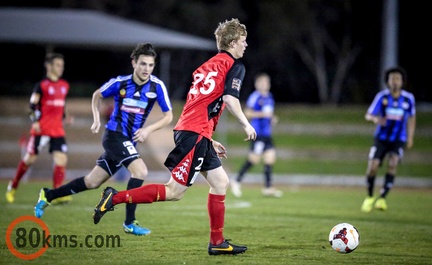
(229, 31)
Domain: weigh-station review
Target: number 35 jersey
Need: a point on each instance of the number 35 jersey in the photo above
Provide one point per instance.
(220, 75)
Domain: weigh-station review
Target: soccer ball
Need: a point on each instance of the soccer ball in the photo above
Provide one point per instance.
(344, 238)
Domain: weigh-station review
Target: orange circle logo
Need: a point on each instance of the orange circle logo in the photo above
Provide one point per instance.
(12, 248)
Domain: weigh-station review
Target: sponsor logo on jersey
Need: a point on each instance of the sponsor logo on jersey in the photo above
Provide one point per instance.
(151, 94)
(56, 102)
(51, 90)
(130, 102)
(395, 114)
(131, 109)
(131, 105)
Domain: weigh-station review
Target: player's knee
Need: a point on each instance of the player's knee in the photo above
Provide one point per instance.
(220, 187)
(91, 183)
(372, 172)
(174, 195)
(224, 184)
(138, 172)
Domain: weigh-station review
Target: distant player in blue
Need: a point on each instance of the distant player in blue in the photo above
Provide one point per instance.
(260, 110)
(134, 96)
(393, 111)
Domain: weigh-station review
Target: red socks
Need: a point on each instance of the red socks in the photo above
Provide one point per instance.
(156, 192)
(145, 194)
(216, 211)
(21, 170)
(58, 176)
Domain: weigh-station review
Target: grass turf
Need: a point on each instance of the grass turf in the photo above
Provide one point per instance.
(290, 230)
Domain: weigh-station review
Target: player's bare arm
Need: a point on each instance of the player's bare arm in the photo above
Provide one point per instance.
(411, 129)
(251, 114)
(96, 100)
(220, 149)
(234, 107)
(35, 113)
(375, 119)
(142, 133)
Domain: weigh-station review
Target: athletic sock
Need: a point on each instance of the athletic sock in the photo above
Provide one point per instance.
(131, 207)
(58, 176)
(21, 170)
(74, 186)
(370, 182)
(246, 166)
(146, 194)
(388, 184)
(267, 176)
(216, 212)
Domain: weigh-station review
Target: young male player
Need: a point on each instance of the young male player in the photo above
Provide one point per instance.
(216, 85)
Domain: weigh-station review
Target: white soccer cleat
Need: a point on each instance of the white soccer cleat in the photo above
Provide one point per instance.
(272, 192)
(235, 188)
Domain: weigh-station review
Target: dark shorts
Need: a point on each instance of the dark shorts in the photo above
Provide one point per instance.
(261, 144)
(119, 151)
(381, 148)
(37, 143)
(193, 153)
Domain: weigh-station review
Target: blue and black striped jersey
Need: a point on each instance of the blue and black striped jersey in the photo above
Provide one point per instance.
(396, 111)
(133, 103)
(260, 103)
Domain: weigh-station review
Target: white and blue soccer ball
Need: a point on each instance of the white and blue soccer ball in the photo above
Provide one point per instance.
(344, 238)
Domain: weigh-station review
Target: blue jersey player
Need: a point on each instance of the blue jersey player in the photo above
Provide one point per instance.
(393, 112)
(260, 110)
(134, 97)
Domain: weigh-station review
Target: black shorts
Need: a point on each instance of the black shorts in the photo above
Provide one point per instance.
(193, 153)
(119, 151)
(381, 148)
(261, 144)
(37, 143)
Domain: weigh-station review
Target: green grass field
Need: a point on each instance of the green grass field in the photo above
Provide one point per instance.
(290, 230)
(317, 152)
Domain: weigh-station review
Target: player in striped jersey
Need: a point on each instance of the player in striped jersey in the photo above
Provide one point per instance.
(134, 97)
(216, 85)
(260, 110)
(393, 111)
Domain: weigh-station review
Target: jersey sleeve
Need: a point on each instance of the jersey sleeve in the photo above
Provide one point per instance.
(234, 79)
(375, 107)
(252, 99)
(37, 88)
(110, 88)
(163, 98)
(412, 108)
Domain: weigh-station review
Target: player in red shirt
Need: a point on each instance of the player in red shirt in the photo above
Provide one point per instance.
(216, 84)
(47, 104)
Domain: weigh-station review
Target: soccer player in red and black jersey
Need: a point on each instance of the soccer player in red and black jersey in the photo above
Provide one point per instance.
(47, 113)
(216, 85)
